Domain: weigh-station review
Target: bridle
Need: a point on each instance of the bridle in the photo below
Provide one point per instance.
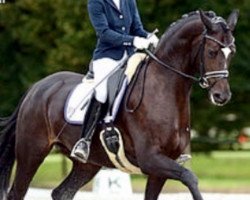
(220, 74)
(204, 76)
(202, 80)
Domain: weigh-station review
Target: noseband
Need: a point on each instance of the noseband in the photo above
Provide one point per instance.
(204, 76)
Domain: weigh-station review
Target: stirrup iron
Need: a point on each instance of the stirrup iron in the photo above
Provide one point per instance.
(81, 150)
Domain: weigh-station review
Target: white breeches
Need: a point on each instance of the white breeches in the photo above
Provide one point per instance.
(102, 67)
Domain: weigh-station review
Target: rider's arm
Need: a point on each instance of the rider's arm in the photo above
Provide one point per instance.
(137, 27)
(100, 24)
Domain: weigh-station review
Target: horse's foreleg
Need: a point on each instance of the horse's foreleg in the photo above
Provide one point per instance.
(78, 177)
(161, 166)
(153, 187)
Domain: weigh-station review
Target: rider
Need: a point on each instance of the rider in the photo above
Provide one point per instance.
(119, 31)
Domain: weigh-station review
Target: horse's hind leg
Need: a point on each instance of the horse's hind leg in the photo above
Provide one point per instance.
(154, 187)
(29, 156)
(79, 176)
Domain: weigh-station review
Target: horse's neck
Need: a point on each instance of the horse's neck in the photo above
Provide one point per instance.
(169, 80)
(162, 87)
(167, 86)
(179, 51)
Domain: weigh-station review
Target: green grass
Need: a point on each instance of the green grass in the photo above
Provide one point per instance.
(51, 172)
(218, 171)
(223, 171)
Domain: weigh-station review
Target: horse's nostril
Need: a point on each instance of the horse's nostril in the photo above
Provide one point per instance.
(220, 98)
(217, 96)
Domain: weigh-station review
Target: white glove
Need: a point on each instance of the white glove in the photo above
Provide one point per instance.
(141, 43)
(153, 39)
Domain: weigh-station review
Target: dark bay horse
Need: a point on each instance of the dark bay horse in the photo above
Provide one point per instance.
(154, 135)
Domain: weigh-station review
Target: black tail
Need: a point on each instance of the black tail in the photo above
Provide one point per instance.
(7, 149)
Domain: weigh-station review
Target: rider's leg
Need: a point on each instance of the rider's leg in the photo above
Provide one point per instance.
(101, 68)
(82, 147)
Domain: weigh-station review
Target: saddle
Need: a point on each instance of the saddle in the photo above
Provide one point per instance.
(80, 97)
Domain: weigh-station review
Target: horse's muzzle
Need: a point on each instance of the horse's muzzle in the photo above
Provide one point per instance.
(220, 98)
(220, 93)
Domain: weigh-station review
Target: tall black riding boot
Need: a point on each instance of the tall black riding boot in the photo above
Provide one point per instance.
(82, 147)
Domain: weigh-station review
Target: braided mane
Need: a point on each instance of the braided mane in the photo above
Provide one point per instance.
(191, 16)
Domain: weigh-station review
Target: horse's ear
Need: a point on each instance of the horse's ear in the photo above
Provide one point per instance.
(232, 19)
(206, 20)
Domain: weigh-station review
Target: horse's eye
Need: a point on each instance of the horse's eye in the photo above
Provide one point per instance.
(212, 53)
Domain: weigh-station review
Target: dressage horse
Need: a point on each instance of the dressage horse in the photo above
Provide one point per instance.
(154, 119)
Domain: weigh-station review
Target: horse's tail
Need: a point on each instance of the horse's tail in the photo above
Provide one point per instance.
(7, 149)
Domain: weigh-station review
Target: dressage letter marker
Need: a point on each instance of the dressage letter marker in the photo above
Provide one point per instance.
(112, 181)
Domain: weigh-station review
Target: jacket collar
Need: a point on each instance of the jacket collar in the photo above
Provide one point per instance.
(114, 6)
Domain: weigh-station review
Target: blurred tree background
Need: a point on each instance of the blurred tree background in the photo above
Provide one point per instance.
(38, 38)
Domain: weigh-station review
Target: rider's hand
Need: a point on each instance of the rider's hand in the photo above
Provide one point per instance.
(153, 39)
(141, 43)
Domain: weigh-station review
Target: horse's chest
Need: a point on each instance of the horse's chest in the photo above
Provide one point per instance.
(175, 142)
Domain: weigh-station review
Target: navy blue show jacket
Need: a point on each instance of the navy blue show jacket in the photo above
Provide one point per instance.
(115, 28)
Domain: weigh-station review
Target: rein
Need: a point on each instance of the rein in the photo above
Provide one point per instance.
(202, 80)
(171, 68)
(131, 89)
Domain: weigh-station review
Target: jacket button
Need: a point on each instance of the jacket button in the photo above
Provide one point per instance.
(123, 28)
(121, 16)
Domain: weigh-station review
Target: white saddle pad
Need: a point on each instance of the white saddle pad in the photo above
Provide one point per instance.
(77, 102)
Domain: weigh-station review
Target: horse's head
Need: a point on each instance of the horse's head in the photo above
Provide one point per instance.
(218, 48)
